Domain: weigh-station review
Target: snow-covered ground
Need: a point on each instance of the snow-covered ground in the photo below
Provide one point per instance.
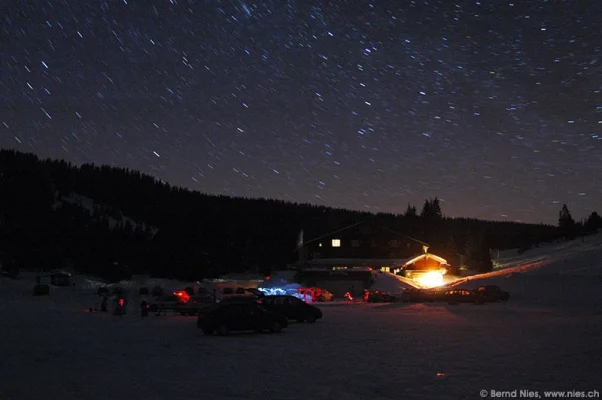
(547, 337)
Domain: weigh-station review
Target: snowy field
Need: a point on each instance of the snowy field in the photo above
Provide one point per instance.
(547, 337)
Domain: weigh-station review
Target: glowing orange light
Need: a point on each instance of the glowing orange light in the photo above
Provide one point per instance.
(430, 279)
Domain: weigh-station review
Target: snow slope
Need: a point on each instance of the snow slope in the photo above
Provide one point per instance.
(539, 340)
(116, 218)
(567, 273)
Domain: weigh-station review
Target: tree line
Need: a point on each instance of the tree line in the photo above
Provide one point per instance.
(112, 222)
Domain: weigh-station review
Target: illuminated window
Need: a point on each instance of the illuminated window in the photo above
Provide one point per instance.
(336, 242)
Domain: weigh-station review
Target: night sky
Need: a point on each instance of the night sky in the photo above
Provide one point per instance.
(493, 106)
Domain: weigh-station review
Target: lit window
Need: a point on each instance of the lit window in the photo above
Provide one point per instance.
(336, 242)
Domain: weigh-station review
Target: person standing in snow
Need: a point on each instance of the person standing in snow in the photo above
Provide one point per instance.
(104, 304)
(144, 309)
(119, 306)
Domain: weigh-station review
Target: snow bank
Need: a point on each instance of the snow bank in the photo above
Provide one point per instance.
(391, 283)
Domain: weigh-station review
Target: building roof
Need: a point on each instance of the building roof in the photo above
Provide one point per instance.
(60, 272)
(359, 261)
(241, 276)
(370, 228)
(427, 256)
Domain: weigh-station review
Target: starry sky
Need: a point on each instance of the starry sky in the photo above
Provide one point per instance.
(493, 106)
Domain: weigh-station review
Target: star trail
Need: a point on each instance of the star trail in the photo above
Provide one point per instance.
(495, 107)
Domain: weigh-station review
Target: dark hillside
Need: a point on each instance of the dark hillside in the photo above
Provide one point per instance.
(107, 220)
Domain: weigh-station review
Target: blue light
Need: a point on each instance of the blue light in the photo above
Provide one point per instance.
(290, 290)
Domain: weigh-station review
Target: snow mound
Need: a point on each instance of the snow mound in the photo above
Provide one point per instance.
(391, 283)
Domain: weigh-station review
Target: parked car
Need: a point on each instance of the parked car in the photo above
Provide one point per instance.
(165, 303)
(194, 305)
(434, 294)
(325, 296)
(315, 294)
(291, 307)
(412, 295)
(256, 292)
(103, 291)
(242, 294)
(455, 296)
(224, 318)
(378, 296)
(492, 293)
(240, 298)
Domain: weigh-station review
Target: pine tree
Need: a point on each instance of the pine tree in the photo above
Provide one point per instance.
(431, 210)
(593, 222)
(566, 223)
(451, 252)
(410, 211)
(478, 257)
(436, 208)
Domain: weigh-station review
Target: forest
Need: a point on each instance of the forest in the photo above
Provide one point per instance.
(113, 222)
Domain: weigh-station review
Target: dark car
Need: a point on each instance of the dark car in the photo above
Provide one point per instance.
(162, 304)
(194, 305)
(378, 296)
(412, 295)
(434, 294)
(492, 293)
(292, 308)
(255, 292)
(224, 318)
(238, 299)
(455, 296)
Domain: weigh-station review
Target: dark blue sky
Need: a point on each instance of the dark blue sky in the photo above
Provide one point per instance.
(495, 107)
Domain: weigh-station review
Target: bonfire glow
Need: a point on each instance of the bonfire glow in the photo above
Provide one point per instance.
(430, 279)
